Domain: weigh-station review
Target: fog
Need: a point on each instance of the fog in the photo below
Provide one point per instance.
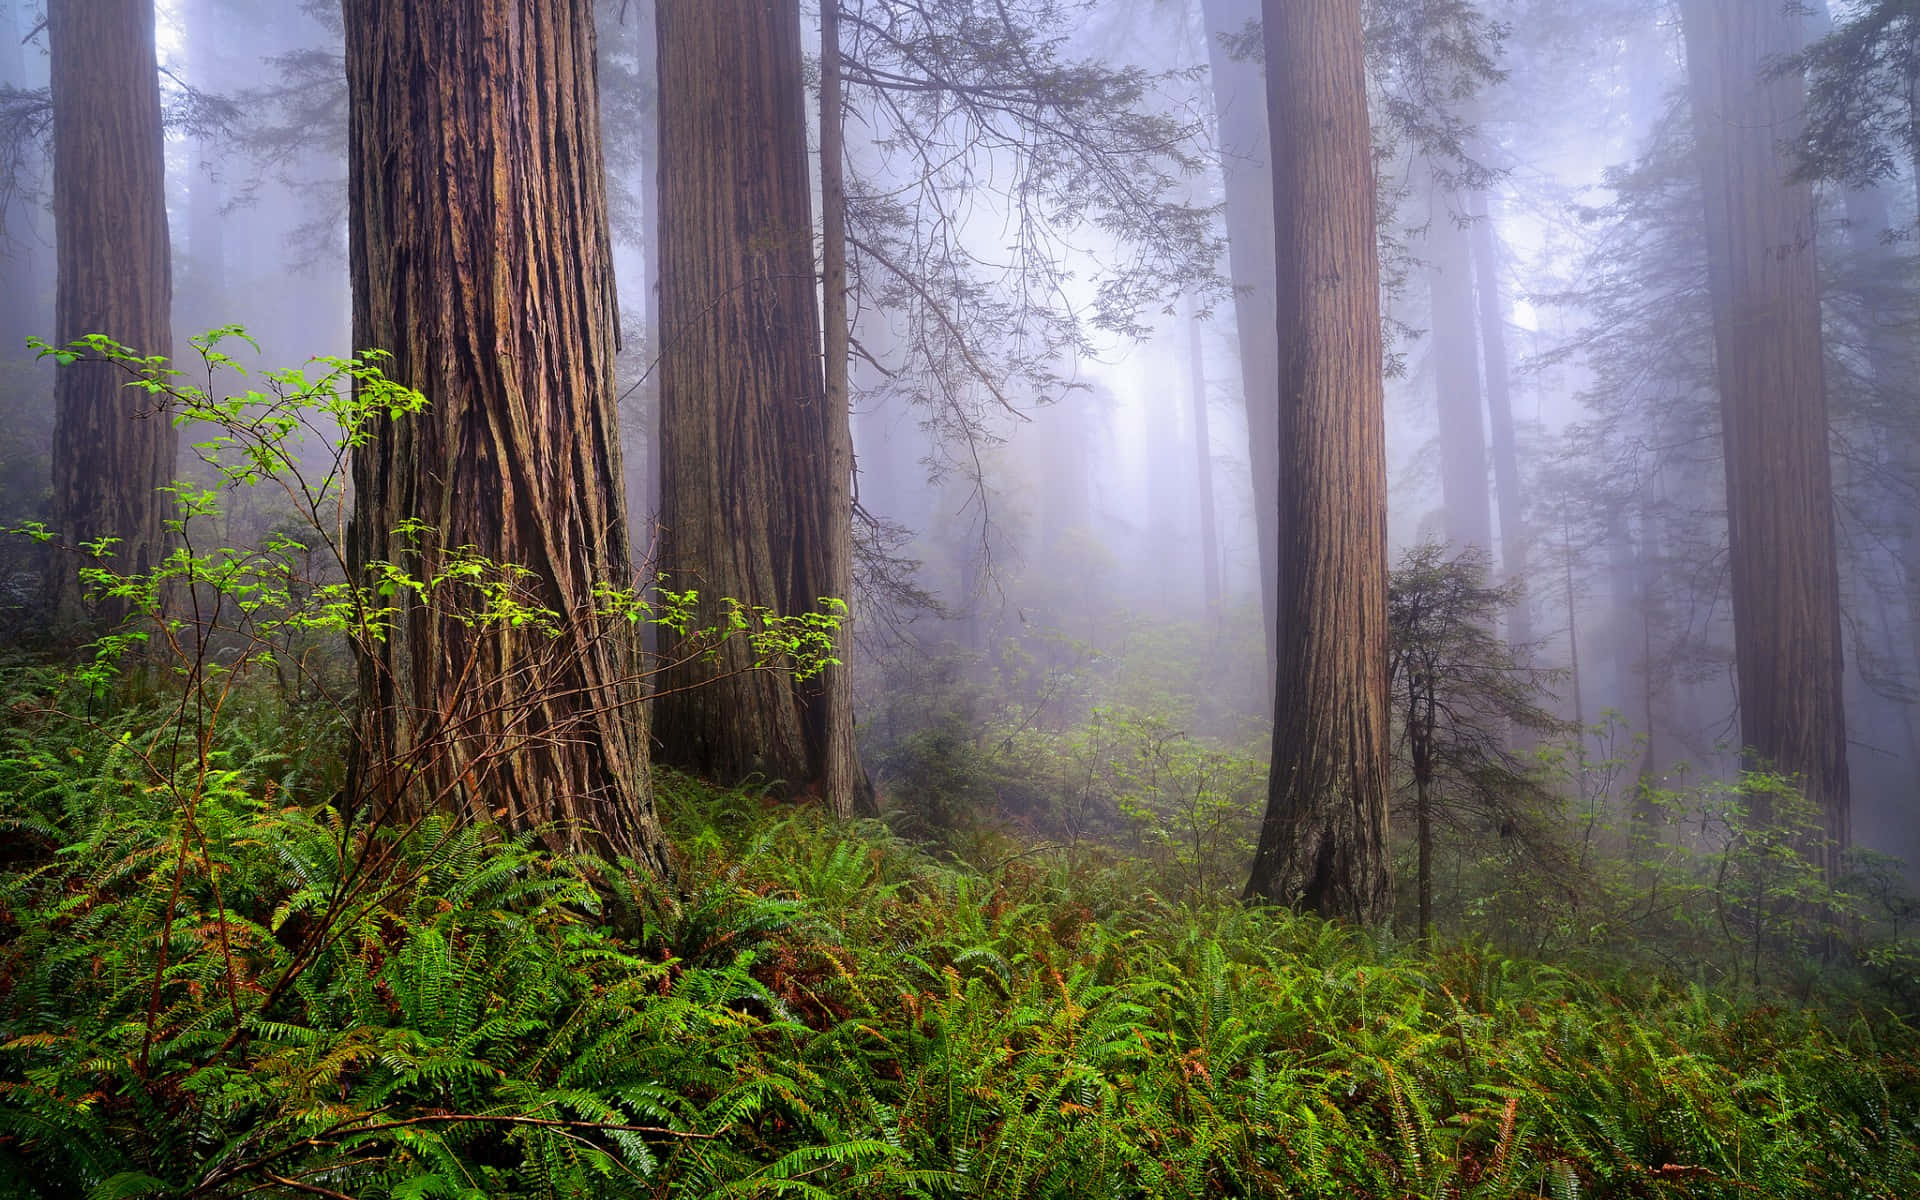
(1035, 323)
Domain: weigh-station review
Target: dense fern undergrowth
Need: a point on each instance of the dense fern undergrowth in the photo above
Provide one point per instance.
(246, 998)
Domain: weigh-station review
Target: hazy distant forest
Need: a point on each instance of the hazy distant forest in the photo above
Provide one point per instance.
(960, 598)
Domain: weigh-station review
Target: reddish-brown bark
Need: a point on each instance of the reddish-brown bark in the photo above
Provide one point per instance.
(481, 260)
(1323, 841)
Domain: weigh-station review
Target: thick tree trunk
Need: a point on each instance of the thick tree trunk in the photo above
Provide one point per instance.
(1773, 404)
(1323, 840)
(110, 458)
(1240, 113)
(1456, 377)
(1203, 468)
(1508, 489)
(755, 464)
(481, 260)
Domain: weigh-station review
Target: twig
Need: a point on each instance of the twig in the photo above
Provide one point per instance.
(312, 1189)
(542, 1122)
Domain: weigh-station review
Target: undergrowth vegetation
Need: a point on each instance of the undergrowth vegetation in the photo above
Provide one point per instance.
(818, 1011)
(220, 976)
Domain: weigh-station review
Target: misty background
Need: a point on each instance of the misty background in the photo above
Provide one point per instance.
(1056, 504)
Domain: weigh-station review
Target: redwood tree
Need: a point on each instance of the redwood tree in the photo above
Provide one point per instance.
(480, 259)
(1773, 402)
(1323, 840)
(755, 463)
(110, 218)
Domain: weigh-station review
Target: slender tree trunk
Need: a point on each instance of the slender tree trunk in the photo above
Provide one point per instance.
(1240, 113)
(1456, 376)
(1423, 830)
(1653, 675)
(481, 260)
(1573, 662)
(110, 456)
(649, 515)
(843, 780)
(1323, 840)
(1773, 404)
(1203, 467)
(1508, 487)
(755, 463)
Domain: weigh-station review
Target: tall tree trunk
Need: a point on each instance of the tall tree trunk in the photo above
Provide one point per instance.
(481, 260)
(110, 458)
(1456, 376)
(648, 32)
(842, 779)
(1203, 467)
(1240, 113)
(755, 464)
(1773, 403)
(206, 282)
(1323, 840)
(1508, 488)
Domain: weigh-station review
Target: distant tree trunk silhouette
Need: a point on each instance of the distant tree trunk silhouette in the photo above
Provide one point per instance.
(1323, 840)
(755, 463)
(204, 288)
(1203, 466)
(1456, 377)
(481, 260)
(114, 277)
(1240, 112)
(1509, 489)
(1773, 403)
(21, 254)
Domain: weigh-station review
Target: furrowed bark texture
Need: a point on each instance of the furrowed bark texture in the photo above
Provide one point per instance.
(481, 259)
(1773, 404)
(1323, 840)
(114, 277)
(755, 463)
(1240, 112)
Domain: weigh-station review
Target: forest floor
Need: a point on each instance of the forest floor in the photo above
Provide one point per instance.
(243, 997)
